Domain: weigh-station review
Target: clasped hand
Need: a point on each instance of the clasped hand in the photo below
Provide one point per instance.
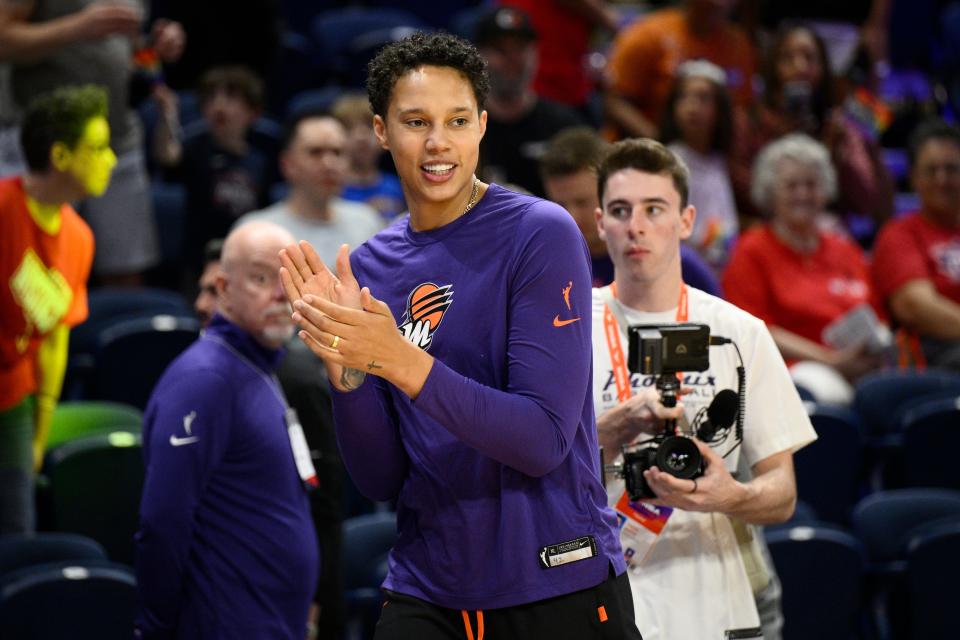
(344, 324)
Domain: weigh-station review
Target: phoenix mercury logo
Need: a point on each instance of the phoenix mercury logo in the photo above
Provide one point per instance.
(426, 305)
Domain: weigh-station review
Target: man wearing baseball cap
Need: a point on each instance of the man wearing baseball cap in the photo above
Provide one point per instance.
(520, 122)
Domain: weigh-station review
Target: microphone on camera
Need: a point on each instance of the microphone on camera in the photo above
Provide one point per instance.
(721, 414)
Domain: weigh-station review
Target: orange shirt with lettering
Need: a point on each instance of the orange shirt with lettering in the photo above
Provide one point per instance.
(44, 285)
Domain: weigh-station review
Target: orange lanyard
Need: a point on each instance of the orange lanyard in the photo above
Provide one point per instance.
(612, 332)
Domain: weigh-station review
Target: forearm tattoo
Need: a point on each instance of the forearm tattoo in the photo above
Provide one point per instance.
(351, 379)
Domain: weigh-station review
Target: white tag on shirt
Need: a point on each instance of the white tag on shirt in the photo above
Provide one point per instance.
(301, 452)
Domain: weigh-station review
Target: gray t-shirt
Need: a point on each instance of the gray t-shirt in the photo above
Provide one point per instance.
(351, 223)
(105, 62)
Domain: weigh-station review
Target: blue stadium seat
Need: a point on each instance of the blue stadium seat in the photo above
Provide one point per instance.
(828, 470)
(931, 437)
(879, 397)
(108, 306)
(294, 71)
(299, 14)
(464, 22)
(367, 541)
(821, 570)
(886, 522)
(321, 99)
(133, 354)
(346, 39)
(79, 601)
(933, 564)
(19, 551)
(170, 212)
(897, 163)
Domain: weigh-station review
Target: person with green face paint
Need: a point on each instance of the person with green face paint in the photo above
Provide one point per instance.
(46, 251)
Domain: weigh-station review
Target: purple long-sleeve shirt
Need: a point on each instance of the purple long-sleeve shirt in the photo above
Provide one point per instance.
(497, 457)
(226, 546)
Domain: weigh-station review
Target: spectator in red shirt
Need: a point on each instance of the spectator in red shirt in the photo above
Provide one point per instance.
(798, 276)
(916, 268)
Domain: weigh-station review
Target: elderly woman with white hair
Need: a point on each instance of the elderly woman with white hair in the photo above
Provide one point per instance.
(809, 284)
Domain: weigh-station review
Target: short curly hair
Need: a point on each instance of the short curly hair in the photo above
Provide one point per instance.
(424, 49)
(59, 116)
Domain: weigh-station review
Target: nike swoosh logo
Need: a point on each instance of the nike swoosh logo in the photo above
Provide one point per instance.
(557, 322)
(179, 442)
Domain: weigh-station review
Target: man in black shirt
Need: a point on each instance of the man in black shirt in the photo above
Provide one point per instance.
(519, 122)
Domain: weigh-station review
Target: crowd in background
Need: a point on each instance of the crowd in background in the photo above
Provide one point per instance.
(824, 166)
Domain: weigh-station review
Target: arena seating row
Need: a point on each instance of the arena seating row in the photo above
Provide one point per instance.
(890, 576)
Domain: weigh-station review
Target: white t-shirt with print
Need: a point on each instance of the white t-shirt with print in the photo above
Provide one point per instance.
(692, 584)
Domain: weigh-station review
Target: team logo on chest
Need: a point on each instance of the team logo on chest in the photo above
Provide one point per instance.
(426, 306)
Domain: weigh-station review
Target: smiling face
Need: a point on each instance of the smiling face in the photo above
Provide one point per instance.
(798, 195)
(642, 223)
(91, 161)
(433, 130)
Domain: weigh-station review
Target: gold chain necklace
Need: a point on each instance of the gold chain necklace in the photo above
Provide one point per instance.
(473, 196)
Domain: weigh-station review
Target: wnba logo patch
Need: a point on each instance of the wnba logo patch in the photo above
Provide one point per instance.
(426, 305)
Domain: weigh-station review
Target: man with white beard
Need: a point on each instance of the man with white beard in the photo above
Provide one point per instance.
(226, 546)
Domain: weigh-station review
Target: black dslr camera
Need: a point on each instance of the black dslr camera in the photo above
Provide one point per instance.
(663, 351)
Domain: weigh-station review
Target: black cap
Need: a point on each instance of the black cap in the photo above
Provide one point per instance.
(503, 21)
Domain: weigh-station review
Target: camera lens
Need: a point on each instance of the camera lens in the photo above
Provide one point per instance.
(679, 457)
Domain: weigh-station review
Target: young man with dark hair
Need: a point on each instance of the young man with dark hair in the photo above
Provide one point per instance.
(46, 251)
(569, 169)
(460, 415)
(695, 545)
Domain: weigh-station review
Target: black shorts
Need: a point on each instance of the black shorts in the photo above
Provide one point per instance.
(604, 612)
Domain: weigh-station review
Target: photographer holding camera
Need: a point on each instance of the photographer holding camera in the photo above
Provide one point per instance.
(691, 543)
